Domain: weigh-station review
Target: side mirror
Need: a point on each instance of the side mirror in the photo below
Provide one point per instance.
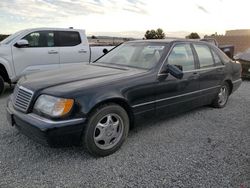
(22, 43)
(173, 70)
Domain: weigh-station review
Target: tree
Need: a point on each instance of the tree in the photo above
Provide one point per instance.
(2, 37)
(211, 36)
(152, 34)
(193, 36)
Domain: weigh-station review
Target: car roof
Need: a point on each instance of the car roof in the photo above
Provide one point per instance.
(169, 40)
(53, 29)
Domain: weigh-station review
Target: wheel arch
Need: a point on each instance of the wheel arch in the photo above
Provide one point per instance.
(4, 73)
(119, 101)
(230, 83)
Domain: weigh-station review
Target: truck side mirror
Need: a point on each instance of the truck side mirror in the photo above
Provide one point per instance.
(22, 43)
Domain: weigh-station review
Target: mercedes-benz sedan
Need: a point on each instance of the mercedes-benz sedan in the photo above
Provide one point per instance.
(96, 104)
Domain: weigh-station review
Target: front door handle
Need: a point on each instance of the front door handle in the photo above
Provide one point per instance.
(82, 51)
(52, 52)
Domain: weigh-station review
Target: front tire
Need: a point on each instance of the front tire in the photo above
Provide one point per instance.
(2, 87)
(106, 130)
(222, 97)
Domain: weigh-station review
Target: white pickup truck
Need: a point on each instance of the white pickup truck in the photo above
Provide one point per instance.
(40, 49)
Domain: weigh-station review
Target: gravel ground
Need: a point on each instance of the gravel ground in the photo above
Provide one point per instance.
(202, 148)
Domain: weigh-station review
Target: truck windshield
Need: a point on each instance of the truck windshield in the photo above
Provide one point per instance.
(10, 38)
(144, 55)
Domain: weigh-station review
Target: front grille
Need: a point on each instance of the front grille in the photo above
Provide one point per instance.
(22, 98)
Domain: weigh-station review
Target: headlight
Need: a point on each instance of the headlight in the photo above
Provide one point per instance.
(53, 106)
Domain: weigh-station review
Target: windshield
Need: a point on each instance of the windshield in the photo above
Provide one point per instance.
(11, 37)
(144, 55)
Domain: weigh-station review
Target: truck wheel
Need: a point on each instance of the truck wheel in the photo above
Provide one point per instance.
(222, 97)
(106, 130)
(1, 85)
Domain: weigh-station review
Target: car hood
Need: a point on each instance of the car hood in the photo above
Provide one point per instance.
(75, 76)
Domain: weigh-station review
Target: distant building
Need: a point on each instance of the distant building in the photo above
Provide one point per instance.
(238, 32)
(240, 38)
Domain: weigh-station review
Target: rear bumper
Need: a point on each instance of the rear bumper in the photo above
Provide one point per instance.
(45, 131)
(236, 84)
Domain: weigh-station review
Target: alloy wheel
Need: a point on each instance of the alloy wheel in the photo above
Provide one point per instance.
(223, 95)
(108, 131)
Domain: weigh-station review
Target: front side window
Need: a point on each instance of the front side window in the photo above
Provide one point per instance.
(143, 55)
(69, 38)
(40, 39)
(204, 55)
(182, 57)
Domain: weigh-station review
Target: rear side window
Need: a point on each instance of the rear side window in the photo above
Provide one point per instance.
(204, 55)
(69, 38)
(182, 57)
(40, 39)
(217, 59)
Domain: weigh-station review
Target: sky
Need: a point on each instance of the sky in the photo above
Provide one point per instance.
(126, 18)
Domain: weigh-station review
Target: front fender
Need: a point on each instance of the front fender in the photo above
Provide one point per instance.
(88, 104)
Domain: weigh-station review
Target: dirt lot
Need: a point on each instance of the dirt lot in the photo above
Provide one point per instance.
(202, 148)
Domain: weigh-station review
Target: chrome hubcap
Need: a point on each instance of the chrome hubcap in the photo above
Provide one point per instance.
(108, 131)
(223, 94)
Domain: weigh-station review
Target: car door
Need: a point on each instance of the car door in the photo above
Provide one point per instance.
(41, 53)
(211, 70)
(175, 95)
(72, 49)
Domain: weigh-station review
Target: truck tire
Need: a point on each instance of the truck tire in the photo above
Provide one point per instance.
(1, 85)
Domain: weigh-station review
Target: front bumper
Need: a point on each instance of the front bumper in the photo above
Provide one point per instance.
(45, 131)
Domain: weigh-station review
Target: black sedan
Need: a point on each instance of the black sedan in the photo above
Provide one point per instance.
(97, 104)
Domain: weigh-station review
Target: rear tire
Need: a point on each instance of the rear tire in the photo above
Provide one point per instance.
(106, 130)
(222, 97)
(2, 87)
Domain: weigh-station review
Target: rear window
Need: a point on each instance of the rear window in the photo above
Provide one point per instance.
(69, 38)
(217, 59)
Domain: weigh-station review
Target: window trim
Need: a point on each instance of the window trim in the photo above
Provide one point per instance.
(39, 31)
(204, 69)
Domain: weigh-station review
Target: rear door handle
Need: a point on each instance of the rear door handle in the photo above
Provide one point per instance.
(52, 52)
(219, 69)
(195, 75)
(82, 51)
